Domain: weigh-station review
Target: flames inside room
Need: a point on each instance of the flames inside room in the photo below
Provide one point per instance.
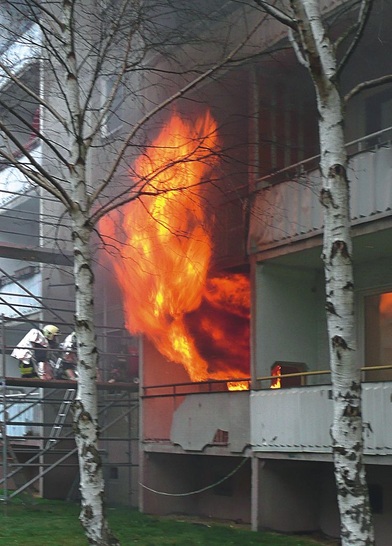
(163, 257)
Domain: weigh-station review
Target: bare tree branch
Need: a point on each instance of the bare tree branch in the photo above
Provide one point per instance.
(39, 176)
(277, 14)
(17, 80)
(363, 17)
(33, 130)
(194, 83)
(367, 85)
(297, 49)
(41, 179)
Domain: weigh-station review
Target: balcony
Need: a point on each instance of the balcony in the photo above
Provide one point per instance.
(196, 417)
(286, 205)
(298, 420)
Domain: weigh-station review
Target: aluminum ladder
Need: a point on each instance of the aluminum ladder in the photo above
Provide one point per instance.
(61, 416)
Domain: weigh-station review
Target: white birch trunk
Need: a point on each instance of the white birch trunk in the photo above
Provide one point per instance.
(347, 438)
(85, 406)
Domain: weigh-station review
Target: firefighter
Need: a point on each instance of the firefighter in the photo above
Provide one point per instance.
(32, 352)
(68, 361)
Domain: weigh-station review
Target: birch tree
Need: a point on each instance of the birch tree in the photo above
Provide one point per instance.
(309, 36)
(80, 45)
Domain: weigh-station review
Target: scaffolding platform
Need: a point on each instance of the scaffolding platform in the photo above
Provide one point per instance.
(37, 447)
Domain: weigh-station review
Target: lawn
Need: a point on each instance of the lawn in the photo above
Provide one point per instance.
(55, 523)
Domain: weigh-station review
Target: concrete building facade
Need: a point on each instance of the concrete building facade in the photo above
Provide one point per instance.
(273, 445)
(219, 439)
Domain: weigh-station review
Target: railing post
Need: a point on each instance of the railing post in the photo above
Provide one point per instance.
(4, 411)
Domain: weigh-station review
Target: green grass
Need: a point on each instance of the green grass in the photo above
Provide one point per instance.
(55, 523)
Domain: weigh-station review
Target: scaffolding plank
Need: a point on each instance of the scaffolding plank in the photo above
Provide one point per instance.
(39, 255)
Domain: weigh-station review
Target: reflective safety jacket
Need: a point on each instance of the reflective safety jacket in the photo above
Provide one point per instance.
(27, 370)
(25, 350)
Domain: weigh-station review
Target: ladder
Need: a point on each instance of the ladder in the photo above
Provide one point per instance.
(20, 481)
(57, 427)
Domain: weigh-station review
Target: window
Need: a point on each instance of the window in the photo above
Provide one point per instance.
(378, 118)
(288, 130)
(378, 335)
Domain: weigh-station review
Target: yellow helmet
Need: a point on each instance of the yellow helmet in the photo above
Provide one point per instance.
(50, 331)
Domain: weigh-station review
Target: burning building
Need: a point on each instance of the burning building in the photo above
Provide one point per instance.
(259, 290)
(220, 274)
(192, 314)
(216, 267)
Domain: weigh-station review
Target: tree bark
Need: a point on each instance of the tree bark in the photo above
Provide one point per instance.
(85, 406)
(347, 433)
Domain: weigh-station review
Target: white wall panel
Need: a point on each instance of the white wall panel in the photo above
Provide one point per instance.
(299, 420)
(289, 209)
(200, 416)
(377, 416)
(291, 419)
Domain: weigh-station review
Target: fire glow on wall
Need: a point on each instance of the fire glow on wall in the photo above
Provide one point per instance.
(164, 248)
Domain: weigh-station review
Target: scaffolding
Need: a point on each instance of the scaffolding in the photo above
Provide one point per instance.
(38, 453)
(37, 448)
(40, 457)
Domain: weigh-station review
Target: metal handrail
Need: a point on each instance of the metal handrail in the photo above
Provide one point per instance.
(385, 136)
(319, 372)
(174, 386)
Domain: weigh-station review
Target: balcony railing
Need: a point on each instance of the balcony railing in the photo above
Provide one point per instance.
(264, 382)
(298, 420)
(286, 206)
(369, 142)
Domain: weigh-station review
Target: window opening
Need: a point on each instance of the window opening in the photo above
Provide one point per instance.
(378, 336)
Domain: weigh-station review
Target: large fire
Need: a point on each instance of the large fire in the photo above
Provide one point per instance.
(193, 318)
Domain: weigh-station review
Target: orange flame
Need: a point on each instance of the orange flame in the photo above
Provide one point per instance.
(199, 322)
(276, 372)
(238, 385)
(386, 304)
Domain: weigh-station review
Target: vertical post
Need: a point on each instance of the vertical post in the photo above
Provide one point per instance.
(129, 446)
(254, 130)
(4, 411)
(255, 493)
(142, 454)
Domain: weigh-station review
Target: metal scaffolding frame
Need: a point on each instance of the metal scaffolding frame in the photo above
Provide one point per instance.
(41, 440)
(45, 437)
(36, 437)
